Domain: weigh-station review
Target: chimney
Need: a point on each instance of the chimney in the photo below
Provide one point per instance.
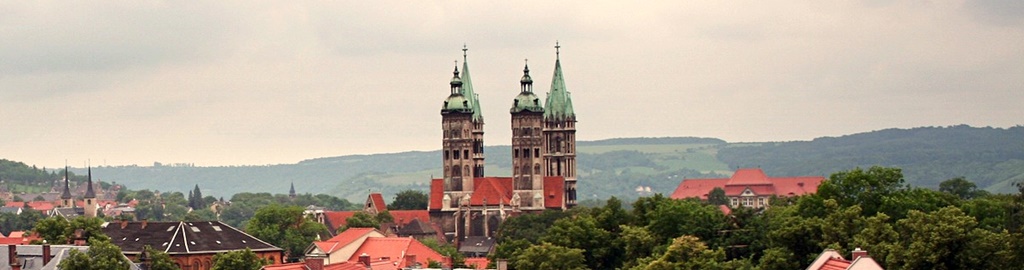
(364, 259)
(46, 254)
(315, 263)
(124, 223)
(12, 256)
(857, 253)
(79, 237)
(410, 260)
(144, 223)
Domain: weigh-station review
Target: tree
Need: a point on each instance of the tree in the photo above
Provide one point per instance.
(717, 197)
(947, 239)
(286, 227)
(962, 188)
(159, 260)
(410, 200)
(238, 260)
(636, 242)
(53, 230)
(688, 252)
(550, 257)
(101, 255)
(581, 232)
(458, 260)
(865, 188)
(362, 220)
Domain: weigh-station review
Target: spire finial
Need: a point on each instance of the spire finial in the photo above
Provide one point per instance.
(556, 49)
(464, 49)
(526, 67)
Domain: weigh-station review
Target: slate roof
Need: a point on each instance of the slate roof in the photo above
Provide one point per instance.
(182, 237)
(477, 244)
(31, 256)
(753, 179)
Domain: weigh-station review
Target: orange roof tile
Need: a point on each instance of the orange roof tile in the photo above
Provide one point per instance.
(403, 217)
(436, 193)
(753, 179)
(479, 263)
(554, 191)
(492, 190)
(392, 251)
(377, 202)
(337, 219)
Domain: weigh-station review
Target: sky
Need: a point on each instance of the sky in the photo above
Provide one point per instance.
(218, 83)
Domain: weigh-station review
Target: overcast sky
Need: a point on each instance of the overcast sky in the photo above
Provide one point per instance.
(244, 83)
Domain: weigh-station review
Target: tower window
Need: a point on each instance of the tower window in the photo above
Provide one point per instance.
(456, 153)
(536, 152)
(515, 153)
(446, 154)
(465, 153)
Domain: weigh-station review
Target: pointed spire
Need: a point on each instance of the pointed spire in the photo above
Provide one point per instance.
(89, 193)
(558, 105)
(456, 81)
(467, 87)
(67, 185)
(291, 192)
(526, 80)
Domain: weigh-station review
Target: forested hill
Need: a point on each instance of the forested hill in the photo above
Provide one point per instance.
(993, 158)
(625, 167)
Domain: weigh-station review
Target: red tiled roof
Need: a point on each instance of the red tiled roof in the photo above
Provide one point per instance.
(753, 179)
(392, 251)
(725, 209)
(336, 219)
(436, 193)
(41, 206)
(14, 204)
(492, 190)
(345, 266)
(554, 191)
(403, 217)
(480, 263)
(377, 202)
(835, 264)
(287, 266)
(345, 238)
(750, 176)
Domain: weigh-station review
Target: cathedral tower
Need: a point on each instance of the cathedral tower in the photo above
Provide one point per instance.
(560, 133)
(462, 143)
(527, 142)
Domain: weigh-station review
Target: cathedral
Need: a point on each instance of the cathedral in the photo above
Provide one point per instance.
(467, 203)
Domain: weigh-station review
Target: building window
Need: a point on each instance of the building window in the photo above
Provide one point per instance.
(536, 152)
(456, 153)
(735, 202)
(465, 153)
(515, 153)
(760, 201)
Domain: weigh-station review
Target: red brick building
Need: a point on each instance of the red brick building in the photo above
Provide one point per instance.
(190, 244)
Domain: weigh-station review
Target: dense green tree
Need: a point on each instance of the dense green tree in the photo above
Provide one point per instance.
(159, 260)
(238, 260)
(674, 218)
(582, 232)
(636, 242)
(947, 239)
(53, 230)
(200, 215)
(778, 258)
(286, 227)
(546, 256)
(410, 200)
(101, 255)
(611, 216)
(361, 220)
(717, 197)
(508, 250)
(688, 252)
(866, 188)
(529, 227)
(962, 188)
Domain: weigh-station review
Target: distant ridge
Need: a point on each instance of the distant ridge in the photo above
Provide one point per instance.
(628, 167)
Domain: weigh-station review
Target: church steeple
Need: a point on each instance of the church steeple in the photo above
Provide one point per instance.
(65, 197)
(89, 193)
(467, 88)
(291, 192)
(560, 132)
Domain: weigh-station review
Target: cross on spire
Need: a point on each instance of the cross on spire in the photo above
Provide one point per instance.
(464, 49)
(556, 49)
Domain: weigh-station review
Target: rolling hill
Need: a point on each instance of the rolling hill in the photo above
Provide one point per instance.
(629, 167)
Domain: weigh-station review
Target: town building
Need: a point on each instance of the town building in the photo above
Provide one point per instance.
(832, 260)
(749, 187)
(190, 244)
(39, 257)
(467, 203)
(372, 249)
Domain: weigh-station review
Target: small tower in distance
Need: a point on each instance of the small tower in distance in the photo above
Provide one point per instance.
(65, 197)
(90, 198)
(291, 192)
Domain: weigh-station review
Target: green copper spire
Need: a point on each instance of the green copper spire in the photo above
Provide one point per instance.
(558, 105)
(467, 88)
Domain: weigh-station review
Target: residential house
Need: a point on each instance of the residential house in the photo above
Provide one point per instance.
(372, 248)
(832, 260)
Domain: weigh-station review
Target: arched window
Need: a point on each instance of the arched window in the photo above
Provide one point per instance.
(536, 169)
(195, 265)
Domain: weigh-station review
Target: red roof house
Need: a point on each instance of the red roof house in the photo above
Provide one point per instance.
(367, 246)
(749, 187)
(832, 260)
